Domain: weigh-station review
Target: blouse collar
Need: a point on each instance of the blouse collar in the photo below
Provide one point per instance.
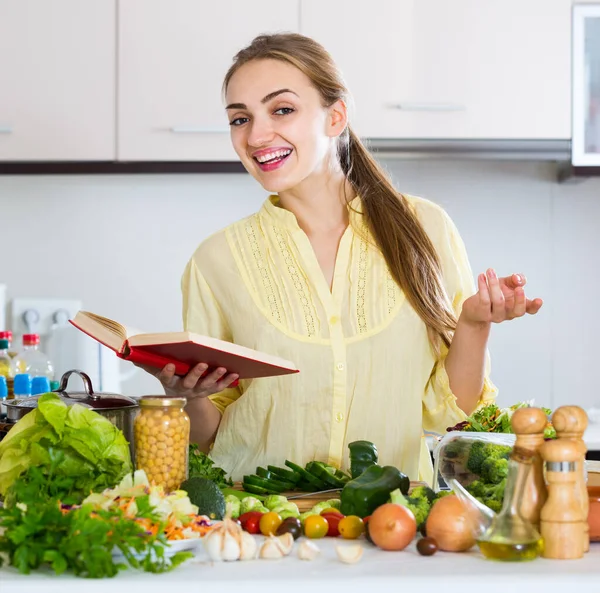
(275, 212)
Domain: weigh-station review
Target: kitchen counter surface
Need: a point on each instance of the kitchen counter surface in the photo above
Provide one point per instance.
(377, 571)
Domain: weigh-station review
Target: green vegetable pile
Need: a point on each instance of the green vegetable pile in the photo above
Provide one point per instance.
(202, 466)
(93, 453)
(488, 461)
(39, 530)
(491, 418)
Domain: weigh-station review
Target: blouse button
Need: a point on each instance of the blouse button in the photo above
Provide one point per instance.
(340, 366)
(339, 416)
(333, 320)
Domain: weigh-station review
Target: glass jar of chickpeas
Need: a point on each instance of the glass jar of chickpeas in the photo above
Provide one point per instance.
(162, 437)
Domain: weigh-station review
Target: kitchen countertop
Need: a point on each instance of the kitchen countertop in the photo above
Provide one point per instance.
(378, 570)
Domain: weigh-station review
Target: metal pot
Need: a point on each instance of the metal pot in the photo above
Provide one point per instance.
(120, 410)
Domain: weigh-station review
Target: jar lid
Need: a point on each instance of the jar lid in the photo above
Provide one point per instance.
(156, 401)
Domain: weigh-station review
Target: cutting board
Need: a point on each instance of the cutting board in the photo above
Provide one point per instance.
(310, 499)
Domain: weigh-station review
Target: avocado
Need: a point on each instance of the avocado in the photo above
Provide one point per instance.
(206, 495)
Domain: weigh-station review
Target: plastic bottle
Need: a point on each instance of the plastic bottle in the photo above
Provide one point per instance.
(40, 385)
(3, 395)
(32, 360)
(22, 385)
(5, 368)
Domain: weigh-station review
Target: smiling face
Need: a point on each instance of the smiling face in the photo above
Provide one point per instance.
(280, 129)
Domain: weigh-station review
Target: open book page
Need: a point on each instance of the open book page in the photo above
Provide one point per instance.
(212, 343)
(104, 330)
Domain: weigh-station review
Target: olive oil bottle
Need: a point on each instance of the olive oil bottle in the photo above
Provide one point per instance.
(510, 537)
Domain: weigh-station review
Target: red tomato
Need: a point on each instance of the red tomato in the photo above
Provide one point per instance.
(250, 521)
(333, 520)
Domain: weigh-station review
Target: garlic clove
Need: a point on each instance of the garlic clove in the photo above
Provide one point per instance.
(349, 554)
(308, 550)
(224, 541)
(286, 543)
(271, 550)
(248, 546)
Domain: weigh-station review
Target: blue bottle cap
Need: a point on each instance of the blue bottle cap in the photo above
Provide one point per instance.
(3, 387)
(22, 384)
(40, 385)
(4, 344)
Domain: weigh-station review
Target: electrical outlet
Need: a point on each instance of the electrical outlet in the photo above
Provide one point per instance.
(40, 315)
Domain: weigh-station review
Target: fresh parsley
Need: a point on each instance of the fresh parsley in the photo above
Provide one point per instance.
(201, 465)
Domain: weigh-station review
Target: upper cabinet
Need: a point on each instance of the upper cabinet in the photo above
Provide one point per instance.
(173, 55)
(57, 65)
(464, 69)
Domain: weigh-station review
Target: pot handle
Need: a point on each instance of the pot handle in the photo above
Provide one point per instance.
(87, 384)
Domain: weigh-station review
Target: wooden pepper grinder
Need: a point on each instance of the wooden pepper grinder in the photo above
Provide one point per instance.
(570, 423)
(528, 424)
(562, 516)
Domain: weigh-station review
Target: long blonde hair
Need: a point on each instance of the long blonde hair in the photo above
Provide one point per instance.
(408, 251)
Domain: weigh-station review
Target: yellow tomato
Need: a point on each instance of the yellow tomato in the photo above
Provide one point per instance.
(315, 526)
(269, 523)
(351, 527)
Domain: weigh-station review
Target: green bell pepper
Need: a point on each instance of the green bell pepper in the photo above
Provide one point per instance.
(363, 454)
(370, 490)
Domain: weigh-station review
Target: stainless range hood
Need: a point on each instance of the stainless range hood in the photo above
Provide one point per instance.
(512, 150)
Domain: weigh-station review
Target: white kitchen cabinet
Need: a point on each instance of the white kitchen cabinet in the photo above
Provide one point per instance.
(466, 69)
(173, 55)
(57, 80)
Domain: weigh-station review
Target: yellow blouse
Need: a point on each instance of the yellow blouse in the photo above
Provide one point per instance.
(366, 367)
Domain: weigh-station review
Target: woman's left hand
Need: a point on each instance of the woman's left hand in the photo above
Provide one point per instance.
(498, 299)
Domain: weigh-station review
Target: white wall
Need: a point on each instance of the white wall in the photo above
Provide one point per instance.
(119, 243)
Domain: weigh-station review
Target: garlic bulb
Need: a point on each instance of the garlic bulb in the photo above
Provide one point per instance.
(349, 554)
(308, 550)
(248, 547)
(275, 548)
(227, 541)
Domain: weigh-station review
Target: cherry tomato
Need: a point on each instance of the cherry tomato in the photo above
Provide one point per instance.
(333, 520)
(351, 527)
(330, 510)
(270, 522)
(250, 521)
(315, 526)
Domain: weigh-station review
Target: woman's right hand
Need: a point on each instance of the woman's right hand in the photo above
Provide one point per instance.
(193, 385)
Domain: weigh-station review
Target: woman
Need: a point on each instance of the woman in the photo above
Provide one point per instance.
(368, 291)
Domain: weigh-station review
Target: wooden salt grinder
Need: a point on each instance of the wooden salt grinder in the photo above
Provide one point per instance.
(570, 423)
(528, 424)
(562, 516)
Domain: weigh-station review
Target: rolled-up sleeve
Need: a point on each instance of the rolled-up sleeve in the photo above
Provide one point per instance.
(202, 315)
(440, 409)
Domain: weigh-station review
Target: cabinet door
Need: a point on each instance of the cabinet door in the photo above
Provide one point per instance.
(173, 55)
(460, 69)
(57, 65)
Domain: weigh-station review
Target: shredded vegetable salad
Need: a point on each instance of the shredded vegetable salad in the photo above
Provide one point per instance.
(175, 511)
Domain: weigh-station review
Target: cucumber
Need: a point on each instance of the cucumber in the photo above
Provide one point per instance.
(262, 472)
(307, 476)
(272, 485)
(254, 480)
(285, 475)
(257, 490)
(320, 472)
(306, 487)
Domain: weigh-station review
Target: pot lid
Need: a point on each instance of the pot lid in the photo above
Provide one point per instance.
(88, 398)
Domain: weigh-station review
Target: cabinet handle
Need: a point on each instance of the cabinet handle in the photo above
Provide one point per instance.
(5, 129)
(428, 107)
(198, 130)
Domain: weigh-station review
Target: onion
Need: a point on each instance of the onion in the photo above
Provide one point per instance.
(450, 525)
(392, 527)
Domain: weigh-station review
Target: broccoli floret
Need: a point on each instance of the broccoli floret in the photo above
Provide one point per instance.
(493, 471)
(480, 452)
(419, 507)
(423, 492)
(476, 457)
(477, 488)
(493, 504)
(491, 495)
(443, 493)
